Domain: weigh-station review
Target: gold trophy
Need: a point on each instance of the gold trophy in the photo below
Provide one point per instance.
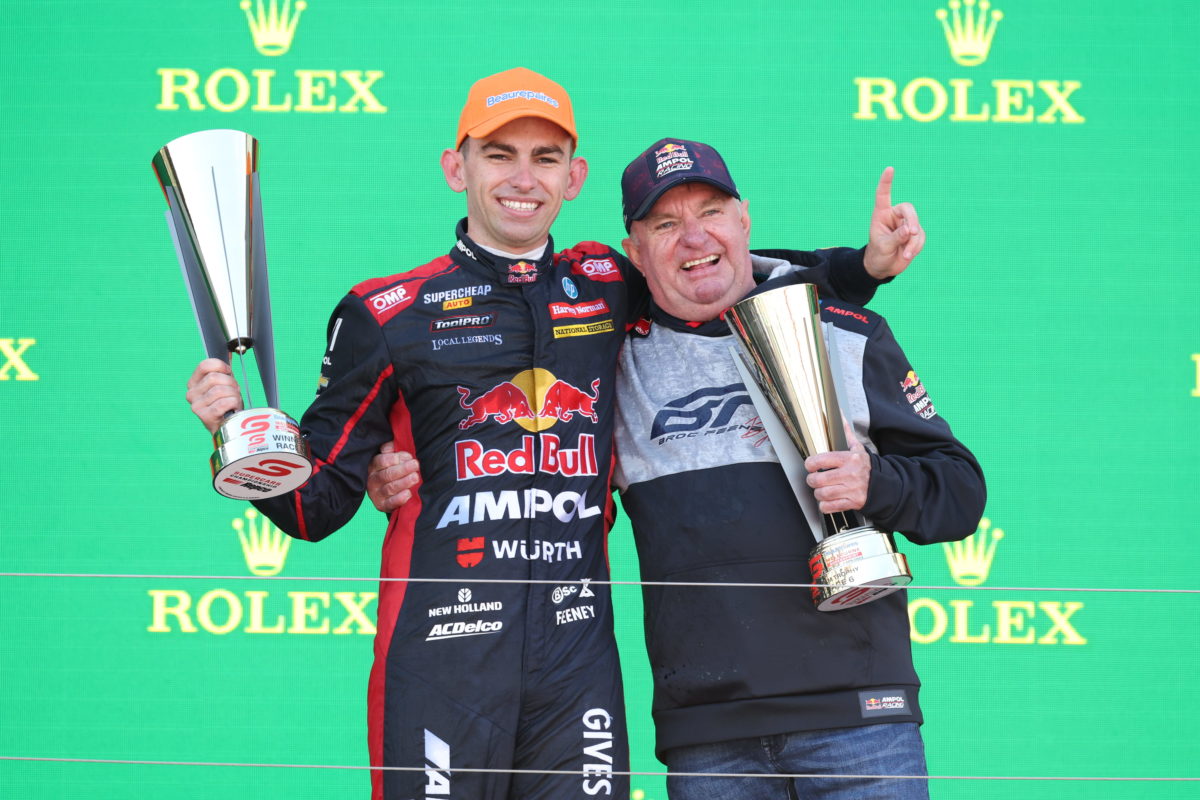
(210, 179)
(782, 346)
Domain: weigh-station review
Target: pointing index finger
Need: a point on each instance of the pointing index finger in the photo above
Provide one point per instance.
(883, 192)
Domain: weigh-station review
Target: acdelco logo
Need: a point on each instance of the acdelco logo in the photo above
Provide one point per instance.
(457, 630)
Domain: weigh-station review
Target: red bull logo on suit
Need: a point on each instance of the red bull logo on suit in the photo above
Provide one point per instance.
(535, 399)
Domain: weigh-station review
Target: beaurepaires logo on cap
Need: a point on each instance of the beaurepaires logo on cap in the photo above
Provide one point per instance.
(971, 620)
(272, 25)
(969, 28)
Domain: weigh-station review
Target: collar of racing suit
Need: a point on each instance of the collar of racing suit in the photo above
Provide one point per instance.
(469, 252)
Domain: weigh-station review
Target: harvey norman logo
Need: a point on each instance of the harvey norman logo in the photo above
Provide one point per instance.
(273, 25)
(970, 28)
(1008, 621)
(222, 611)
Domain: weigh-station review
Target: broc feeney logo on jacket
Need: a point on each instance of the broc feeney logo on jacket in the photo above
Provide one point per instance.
(972, 621)
(970, 27)
(273, 25)
(224, 610)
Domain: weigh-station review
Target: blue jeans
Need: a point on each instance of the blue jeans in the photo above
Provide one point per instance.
(888, 749)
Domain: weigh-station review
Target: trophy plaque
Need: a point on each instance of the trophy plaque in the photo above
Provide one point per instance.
(214, 212)
(781, 343)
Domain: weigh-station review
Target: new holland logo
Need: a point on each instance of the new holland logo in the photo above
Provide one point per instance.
(272, 25)
(1019, 621)
(969, 27)
(223, 611)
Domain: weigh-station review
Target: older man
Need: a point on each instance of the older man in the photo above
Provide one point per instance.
(753, 680)
(494, 364)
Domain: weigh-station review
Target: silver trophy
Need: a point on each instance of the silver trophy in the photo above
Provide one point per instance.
(210, 179)
(780, 341)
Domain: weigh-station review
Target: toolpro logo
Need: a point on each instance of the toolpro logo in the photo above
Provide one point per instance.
(970, 31)
(534, 399)
(272, 26)
(966, 620)
(223, 611)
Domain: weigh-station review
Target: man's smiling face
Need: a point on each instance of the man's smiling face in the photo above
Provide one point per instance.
(694, 249)
(516, 180)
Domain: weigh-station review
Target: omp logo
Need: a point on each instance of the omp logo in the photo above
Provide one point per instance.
(272, 26)
(222, 611)
(14, 366)
(1012, 621)
(437, 766)
(703, 412)
(264, 546)
(969, 27)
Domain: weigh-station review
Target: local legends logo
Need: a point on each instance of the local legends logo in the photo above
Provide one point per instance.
(222, 611)
(1008, 621)
(272, 28)
(970, 29)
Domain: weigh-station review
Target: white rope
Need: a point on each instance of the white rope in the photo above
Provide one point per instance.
(145, 762)
(561, 582)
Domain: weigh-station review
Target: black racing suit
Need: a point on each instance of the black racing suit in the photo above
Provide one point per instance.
(498, 375)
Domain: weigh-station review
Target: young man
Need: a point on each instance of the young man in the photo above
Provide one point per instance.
(494, 365)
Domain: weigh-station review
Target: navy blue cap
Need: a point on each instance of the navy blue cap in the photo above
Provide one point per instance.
(666, 164)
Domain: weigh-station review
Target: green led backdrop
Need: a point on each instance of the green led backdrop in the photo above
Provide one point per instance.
(1052, 316)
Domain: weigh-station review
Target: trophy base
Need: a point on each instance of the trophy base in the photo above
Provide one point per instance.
(260, 454)
(856, 567)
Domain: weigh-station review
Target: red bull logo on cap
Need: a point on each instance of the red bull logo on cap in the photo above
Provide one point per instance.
(535, 399)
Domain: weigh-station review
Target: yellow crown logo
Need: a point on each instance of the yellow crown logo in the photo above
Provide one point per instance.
(264, 546)
(970, 560)
(273, 26)
(969, 33)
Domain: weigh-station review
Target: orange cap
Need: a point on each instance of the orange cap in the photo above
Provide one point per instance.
(499, 99)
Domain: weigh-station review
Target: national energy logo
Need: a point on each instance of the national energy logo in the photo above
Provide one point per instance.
(272, 26)
(1007, 621)
(969, 28)
(224, 610)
